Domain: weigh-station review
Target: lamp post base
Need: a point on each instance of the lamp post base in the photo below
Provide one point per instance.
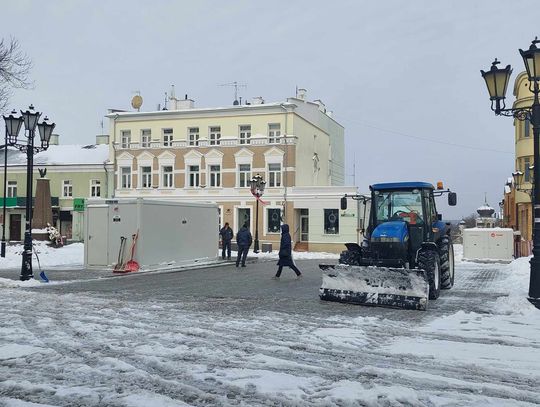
(26, 269)
(3, 249)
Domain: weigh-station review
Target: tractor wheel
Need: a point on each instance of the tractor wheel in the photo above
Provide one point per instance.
(428, 260)
(446, 250)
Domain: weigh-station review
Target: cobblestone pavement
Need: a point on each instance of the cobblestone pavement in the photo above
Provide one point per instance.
(228, 336)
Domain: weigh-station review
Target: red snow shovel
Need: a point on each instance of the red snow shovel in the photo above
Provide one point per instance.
(132, 265)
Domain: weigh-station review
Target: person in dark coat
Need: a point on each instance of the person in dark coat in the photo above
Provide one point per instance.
(285, 253)
(226, 234)
(243, 241)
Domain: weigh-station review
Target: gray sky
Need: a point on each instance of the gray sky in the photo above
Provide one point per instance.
(401, 76)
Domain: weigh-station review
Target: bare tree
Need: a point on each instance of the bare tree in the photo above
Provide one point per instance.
(14, 69)
(470, 221)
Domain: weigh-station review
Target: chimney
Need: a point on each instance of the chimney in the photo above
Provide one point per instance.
(181, 104)
(258, 100)
(54, 140)
(301, 93)
(102, 139)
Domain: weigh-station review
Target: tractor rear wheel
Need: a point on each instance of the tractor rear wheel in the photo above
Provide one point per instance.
(446, 249)
(428, 260)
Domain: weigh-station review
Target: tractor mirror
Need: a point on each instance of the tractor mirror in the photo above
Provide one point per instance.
(343, 203)
(452, 199)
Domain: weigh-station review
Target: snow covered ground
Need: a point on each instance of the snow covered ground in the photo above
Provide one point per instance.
(88, 348)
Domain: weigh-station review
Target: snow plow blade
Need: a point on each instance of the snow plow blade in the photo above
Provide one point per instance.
(375, 286)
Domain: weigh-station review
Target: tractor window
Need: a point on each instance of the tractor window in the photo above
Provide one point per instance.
(399, 205)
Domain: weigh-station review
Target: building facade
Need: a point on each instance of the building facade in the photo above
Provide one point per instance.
(210, 154)
(517, 210)
(75, 173)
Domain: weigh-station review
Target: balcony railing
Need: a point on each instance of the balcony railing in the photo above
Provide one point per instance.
(204, 143)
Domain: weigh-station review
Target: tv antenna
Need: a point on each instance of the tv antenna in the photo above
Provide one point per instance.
(236, 85)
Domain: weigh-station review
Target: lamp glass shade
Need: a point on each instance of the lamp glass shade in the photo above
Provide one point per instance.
(497, 81)
(30, 118)
(531, 59)
(13, 126)
(518, 177)
(45, 132)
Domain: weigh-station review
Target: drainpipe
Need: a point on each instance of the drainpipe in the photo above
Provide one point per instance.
(285, 162)
(113, 195)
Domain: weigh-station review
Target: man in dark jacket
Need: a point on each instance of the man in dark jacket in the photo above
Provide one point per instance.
(285, 253)
(243, 241)
(226, 234)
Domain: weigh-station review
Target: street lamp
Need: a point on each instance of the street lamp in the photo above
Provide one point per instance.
(257, 190)
(13, 125)
(497, 81)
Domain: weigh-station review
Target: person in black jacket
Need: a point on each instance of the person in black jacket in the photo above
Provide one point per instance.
(243, 241)
(226, 234)
(285, 253)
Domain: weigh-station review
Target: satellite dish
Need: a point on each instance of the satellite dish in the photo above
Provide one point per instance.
(136, 102)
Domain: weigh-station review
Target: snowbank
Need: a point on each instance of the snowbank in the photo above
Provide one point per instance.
(70, 255)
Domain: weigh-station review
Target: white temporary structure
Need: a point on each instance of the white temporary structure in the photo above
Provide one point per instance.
(488, 244)
(169, 232)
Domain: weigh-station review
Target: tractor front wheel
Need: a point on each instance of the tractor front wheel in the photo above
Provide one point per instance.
(446, 248)
(428, 260)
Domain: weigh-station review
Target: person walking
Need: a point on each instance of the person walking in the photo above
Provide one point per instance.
(243, 241)
(226, 234)
(285, 253)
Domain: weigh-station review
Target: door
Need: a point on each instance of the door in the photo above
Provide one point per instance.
(304, 228)
(244, 216)
(15, 227)
(97, 252)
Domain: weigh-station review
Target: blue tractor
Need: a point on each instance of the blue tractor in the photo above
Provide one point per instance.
(407, 256)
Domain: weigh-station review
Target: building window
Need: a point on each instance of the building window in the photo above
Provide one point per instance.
(526, 169)
(244, 175)
(245, 134)
(215, 136)
(126, 138)
(146, 177)
(67, 188)
(331, 221)
(167, 137)
(95, 188)
(274, 175)
(167, 174)
(193, 136)
(12, 189)
(526, 128)
(274, 131)
(215, 175)
(274, 220)
(125, 174)
(193, 175)
(145, 138)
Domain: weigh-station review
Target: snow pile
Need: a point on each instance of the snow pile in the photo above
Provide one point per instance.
(6, 282)
(516, 284)
(296, 255)
(70, 255)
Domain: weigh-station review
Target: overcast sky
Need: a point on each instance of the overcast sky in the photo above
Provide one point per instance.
(402, 77)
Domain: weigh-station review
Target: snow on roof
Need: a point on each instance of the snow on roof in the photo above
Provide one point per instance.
(62, 155)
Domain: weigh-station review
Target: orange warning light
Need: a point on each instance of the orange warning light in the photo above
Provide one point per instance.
(440, 185)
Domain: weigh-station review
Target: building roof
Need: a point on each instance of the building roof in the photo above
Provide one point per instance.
(61, 155)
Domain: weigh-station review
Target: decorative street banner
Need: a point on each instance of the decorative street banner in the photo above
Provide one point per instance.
(78, 204)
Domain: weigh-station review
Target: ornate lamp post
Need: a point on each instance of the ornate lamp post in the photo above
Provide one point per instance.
(13, 125)
(257, 190)
(497, 81)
